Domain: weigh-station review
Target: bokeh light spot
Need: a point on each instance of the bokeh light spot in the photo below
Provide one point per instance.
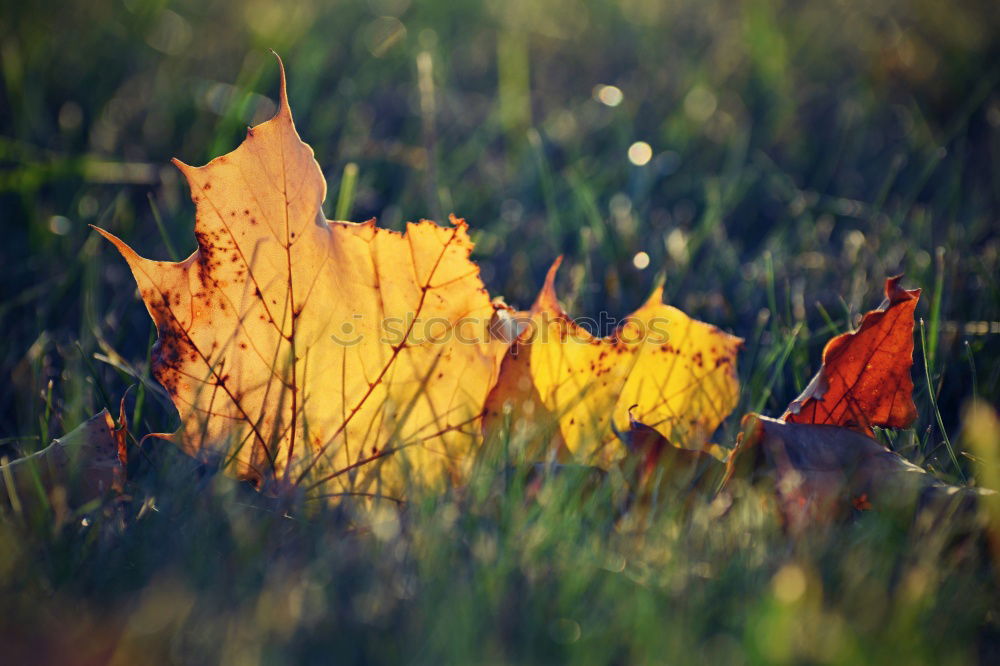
(639, 153)
(60, 225)
(789, 584)
(700, 104)
(608, 95)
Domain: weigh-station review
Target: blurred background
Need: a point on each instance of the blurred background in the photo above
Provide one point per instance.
(773, 161)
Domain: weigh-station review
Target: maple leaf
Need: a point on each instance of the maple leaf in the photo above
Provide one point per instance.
(341, 356)
(865, 377)
(564, 392)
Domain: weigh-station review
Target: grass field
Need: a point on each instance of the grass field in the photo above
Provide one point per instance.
(799, 154)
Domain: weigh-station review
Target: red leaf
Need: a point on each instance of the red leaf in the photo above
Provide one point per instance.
(865, 377)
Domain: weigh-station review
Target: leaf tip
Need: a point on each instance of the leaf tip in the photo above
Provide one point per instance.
(547, 299)
(122, 247)
(655, 296)
(896, 294)
(283, 108)
(183, 167)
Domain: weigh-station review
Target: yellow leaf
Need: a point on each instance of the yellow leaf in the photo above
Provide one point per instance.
(563, 392)
(346, 357)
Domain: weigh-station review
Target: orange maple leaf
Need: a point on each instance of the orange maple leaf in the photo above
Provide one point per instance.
(345, 357)
(865, 377)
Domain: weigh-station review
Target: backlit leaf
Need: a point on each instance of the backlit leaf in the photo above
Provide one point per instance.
(865, 377)
(563, 391)
(349, 358)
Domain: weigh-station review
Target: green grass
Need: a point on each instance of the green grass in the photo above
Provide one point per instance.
(802, 153)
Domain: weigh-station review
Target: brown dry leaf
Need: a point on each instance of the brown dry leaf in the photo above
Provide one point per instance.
(660, 466)
(344, 357)
(563, 392)
(82, 465)
(865, 377)
(821, 474)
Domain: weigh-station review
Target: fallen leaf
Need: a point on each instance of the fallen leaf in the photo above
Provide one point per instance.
(343, 357)
(563, 392)
(82, 465)
(662, 467)
(821, 457)
(865, 377)
(821, 474)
